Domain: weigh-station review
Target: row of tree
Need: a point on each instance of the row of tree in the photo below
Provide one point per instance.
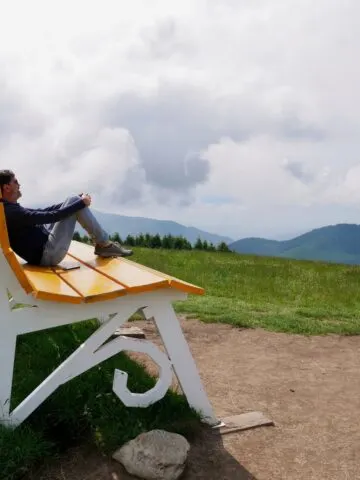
(156, 241)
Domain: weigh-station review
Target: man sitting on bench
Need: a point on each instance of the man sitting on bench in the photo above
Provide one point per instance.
(43, 236)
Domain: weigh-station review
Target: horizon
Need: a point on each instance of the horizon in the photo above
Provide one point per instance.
(284, 238)
(238, 117)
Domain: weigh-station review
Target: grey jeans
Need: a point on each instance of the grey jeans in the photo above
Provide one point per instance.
(61, 233)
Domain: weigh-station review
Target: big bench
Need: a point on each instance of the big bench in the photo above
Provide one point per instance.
(111, 290)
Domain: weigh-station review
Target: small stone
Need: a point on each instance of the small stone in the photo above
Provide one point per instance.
(155, 455)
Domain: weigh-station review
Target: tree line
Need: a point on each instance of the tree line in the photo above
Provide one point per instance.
(169, 242)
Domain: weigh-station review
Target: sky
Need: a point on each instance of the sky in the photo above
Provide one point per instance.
(237, 117)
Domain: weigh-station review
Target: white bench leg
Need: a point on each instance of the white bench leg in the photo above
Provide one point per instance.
(7, 359)
(181, 358)
(91, 353)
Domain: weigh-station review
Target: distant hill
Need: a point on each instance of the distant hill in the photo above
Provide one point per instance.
(335, 243)
(135, 225)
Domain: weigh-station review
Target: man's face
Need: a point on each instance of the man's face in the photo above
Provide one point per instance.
(12, 190)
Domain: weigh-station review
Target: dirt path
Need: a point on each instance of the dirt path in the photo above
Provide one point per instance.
(310, 388)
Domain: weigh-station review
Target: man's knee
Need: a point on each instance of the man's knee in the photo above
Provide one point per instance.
(72, 199)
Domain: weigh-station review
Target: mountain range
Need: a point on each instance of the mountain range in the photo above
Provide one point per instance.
(334, 243)
(125, 226)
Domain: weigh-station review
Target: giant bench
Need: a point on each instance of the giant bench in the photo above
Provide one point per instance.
(111, 290)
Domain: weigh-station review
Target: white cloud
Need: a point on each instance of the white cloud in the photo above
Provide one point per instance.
(243, 115)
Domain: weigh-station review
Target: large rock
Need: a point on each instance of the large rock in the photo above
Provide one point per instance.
(155, 455)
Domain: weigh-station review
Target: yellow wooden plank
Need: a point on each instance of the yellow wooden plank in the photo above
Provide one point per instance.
(47, 285)
(16, 267)
(4, 238)
(133, 278)
(173, 281)
(83, 249)
(90, 284)
(10, 256)
(186, 287)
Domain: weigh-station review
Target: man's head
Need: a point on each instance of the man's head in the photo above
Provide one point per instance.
(10, 187)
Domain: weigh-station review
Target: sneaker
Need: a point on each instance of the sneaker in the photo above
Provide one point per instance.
(113, 249)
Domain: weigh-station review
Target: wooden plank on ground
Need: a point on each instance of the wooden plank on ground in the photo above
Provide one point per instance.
(244, 421)
(134, 332)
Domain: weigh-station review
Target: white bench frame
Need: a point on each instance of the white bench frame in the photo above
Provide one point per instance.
(112, 314)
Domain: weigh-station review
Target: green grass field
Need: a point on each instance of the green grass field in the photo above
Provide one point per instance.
(276, 294)
(245, 291)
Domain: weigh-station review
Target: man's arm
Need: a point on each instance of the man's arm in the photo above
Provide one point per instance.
(17, 215)
(52, 207)
(46, 209)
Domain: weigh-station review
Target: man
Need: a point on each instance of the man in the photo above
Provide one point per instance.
(43, 236)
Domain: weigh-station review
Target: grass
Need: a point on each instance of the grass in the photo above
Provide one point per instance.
(84, 409)
(281, 295)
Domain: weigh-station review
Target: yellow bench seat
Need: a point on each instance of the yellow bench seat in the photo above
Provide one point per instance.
(97, 278)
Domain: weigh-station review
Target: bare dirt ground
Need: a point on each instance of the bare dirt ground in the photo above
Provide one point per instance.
(309, 387)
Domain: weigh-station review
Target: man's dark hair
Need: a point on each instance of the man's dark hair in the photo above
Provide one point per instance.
(5, 177)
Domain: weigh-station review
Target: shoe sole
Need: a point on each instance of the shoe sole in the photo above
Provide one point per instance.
(113, 255)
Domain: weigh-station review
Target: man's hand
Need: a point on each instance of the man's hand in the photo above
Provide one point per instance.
(85, 197)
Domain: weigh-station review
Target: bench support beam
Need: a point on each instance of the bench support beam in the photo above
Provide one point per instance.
(94, 350)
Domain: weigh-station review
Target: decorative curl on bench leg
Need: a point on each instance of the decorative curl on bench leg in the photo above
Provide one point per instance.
(84, 358)
(162, 385)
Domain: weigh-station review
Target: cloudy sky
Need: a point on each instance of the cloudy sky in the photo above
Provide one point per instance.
(238, 117)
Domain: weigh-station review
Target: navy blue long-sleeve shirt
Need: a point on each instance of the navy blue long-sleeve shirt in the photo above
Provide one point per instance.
(27, 234)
